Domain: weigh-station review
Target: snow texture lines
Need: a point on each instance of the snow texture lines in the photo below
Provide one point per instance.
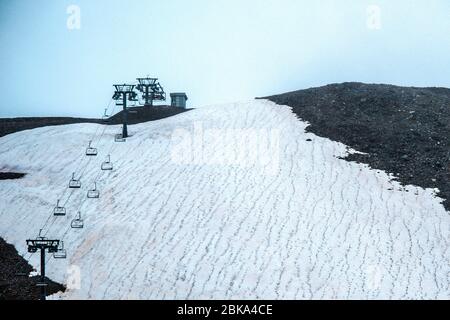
(316, 227)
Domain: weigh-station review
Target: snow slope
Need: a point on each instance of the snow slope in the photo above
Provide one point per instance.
(300, 224)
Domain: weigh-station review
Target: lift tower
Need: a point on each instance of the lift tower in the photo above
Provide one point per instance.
(42, 243)
(151, 90)
(124, 93)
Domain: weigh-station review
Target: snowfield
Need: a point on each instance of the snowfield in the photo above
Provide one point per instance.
(177, 218)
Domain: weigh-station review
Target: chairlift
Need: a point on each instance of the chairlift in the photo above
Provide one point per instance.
(107, 165)
(106, 117)
(119, 138)
(74, 183)
(133, 97)
(21, 274)
(61, 253)
(77, 223)
(41, 284)
(91, 151)
(94, 193)
(59, 211)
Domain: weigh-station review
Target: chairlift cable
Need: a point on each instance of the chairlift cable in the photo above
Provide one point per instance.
(67, 200)
(65, 189)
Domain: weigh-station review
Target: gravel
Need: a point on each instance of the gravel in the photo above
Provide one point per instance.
(15, 280)
(404, 130)
(11, 175)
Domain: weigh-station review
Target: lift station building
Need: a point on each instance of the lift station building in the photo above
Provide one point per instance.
(178, 99)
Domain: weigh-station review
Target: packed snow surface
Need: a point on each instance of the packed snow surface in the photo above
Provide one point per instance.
(178, 218)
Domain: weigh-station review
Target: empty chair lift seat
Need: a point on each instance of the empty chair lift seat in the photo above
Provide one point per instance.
(77, 223)
(74, 183)
(59, 211)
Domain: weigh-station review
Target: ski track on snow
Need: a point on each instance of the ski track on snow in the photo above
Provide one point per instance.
(318, 228)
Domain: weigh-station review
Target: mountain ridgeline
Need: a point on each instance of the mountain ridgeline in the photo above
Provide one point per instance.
(402, 130)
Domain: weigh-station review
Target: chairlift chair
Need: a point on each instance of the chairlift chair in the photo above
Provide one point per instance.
(94, 193)
(61, 253)
(91, 151)
(32, 249)
(107, 165)
(59, 211)
(77, 223)
(117, 95)
(74, 183)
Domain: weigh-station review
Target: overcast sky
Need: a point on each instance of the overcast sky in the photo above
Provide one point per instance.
(216, 51)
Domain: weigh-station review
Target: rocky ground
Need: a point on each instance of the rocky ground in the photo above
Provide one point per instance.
(15, 282)
(403, 130)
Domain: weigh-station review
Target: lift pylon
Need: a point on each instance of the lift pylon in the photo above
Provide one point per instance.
(41, 243)
(124, 93)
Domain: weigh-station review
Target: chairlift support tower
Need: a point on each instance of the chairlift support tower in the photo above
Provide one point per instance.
(42, 244)
(151, 90)
(124, 93)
